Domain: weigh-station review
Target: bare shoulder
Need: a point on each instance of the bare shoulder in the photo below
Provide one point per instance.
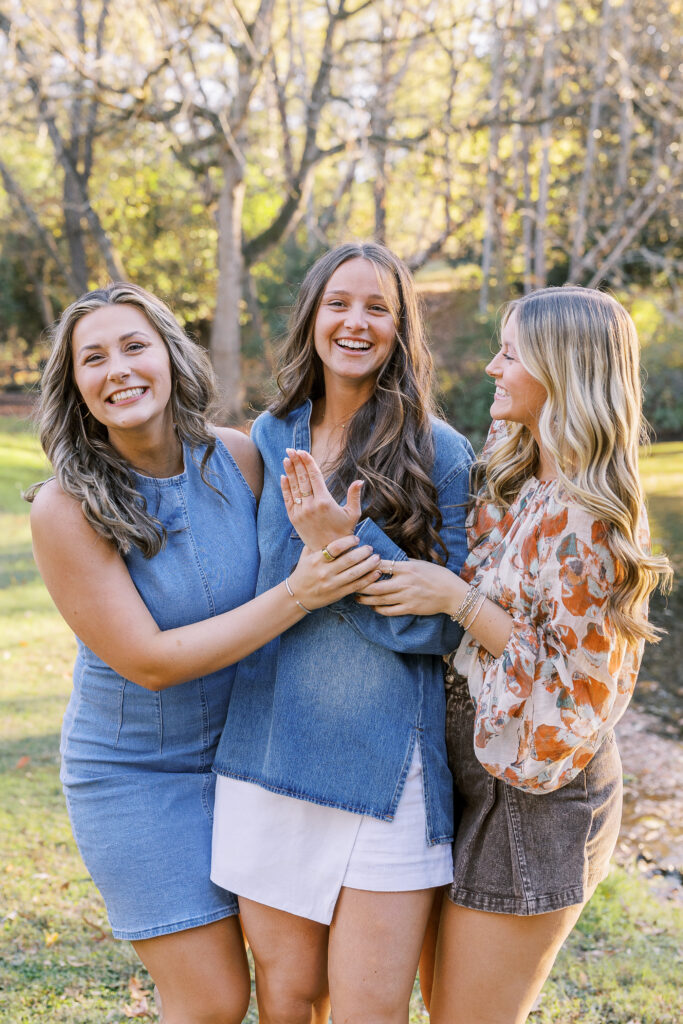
(59, 528)
(51, 505)
(246, 455)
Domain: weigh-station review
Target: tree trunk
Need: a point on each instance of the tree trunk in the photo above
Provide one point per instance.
(602, 33)
(491, 234)
(626, 92)
(540, 272)
(225, 330)
(73, 229)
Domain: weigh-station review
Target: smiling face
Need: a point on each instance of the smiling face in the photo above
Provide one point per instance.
(122, 368)
(354, 331)
(519, 397)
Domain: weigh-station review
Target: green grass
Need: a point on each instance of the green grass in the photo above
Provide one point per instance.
(58, 960)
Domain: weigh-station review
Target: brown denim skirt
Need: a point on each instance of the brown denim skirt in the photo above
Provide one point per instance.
(524, 853)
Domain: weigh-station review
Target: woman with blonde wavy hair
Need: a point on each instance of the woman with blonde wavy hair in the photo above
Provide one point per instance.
(553, 600)
(333, 758)
(146, 540)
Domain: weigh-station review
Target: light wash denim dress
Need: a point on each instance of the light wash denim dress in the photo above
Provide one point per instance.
(330, 712)
(136, 765)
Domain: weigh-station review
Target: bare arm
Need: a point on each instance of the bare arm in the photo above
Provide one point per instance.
(246, 455)
(90, 584)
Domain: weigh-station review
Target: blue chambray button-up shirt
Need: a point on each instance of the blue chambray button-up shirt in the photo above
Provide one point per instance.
(330, 711)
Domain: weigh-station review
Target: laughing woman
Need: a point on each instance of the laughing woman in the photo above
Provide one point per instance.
(333, 759)
(146, 540)
(553, 598)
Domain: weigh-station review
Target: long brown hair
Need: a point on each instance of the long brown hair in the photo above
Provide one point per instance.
(85, 464)
(388, 441)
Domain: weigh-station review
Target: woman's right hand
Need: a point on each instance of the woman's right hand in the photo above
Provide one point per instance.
(317, 582)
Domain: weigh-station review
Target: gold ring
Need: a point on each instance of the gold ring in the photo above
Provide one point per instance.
(327, 556)
(390, 571)
(306, 494)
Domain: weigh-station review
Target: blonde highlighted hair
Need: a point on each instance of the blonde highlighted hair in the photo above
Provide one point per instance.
(582, 346)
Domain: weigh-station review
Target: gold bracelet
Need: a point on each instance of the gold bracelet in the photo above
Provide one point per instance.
(461, 613)
(292, 594)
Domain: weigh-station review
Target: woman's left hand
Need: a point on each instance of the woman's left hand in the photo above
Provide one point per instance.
(313, 512)
(414, 588)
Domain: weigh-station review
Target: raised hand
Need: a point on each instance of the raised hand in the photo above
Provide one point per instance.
(312, 510)
(318, 580)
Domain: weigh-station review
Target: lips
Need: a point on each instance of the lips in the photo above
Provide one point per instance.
(125, 395)
(353, 344)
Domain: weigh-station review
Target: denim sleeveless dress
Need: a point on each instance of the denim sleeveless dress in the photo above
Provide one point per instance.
(136, 765)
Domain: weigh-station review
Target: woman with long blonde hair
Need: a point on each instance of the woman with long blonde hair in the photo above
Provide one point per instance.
(553, 599)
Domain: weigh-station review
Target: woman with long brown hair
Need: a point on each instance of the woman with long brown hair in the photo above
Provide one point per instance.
(146, 540)
(334, 799)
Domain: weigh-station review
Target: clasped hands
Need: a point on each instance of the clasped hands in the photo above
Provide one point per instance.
(413, 587)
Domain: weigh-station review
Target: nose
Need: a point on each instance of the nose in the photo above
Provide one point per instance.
(356, 317)
(493, 368)
(118, 368)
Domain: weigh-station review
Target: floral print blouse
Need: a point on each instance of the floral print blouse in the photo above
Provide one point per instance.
(566, 675)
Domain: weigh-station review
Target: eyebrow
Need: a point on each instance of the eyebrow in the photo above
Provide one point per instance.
(342, 291)
(122, 337)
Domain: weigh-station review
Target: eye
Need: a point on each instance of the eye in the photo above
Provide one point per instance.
(377, 308)
(335, 303)
(509, 358)
(94, 357)
(135, 346)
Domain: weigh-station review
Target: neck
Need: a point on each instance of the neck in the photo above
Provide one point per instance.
(339, 403)
(158, 453)
(546, 469)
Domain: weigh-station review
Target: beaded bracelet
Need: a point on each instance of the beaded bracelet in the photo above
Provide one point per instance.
(469, 621)
(291, 594)
(469, 601)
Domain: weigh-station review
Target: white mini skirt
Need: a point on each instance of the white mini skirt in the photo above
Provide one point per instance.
(295, 856)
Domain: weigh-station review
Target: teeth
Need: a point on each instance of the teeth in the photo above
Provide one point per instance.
(501, 393)
(348, 343)
(121, 396)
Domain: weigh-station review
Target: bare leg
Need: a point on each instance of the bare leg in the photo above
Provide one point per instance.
(491, 967)
(375, 942)
(428, 952)
(290, 957)
(201, 974)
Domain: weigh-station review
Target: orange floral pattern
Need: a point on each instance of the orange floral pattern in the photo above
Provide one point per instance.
(566, 675)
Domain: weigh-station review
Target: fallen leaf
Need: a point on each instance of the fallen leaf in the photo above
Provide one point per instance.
(23, 761)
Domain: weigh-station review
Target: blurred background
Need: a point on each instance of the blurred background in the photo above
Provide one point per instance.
(210, 151)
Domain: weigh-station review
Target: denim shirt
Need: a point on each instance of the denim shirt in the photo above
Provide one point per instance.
(330, 711)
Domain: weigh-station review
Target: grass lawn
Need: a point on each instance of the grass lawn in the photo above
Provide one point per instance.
(58, 962)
